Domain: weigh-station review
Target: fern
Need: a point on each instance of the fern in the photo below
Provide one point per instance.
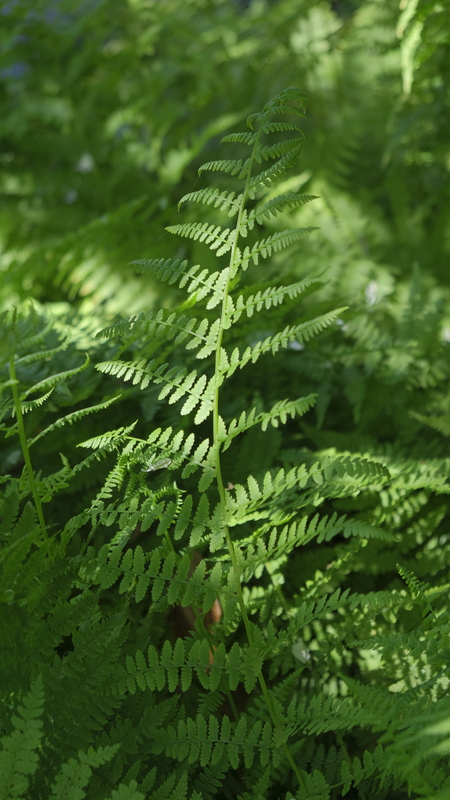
(217, 615)
(19, 754)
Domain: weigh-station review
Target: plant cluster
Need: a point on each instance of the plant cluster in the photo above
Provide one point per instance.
(224, 472)
(231, 605)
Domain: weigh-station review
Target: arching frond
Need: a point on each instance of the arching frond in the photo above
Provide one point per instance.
(53, 380)
(279, 204)
(228, 166)
(280, 412)
(169, 270)
(226, 201)
(267, 298)
(300, 333)
(74, 416)
(220, 239)
(272, 244)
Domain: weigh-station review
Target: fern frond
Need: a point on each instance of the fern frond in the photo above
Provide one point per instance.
(9, 509)
(272, 296)
(280, 127)
(54, 483)
(225, 201)
(272, 244)
(419, 589)
(178, 383)
(164, 325)
(201, 283)
(160, 443)
(241, 137)
(13, 553)
(349, 474)
(76, 773)
(169, 270)
(19, 756)
(280, 412)
(175, 787)
(354, 772)
(440, 424)
(271, 542)
(31, 405)
(166, 574)
(74, 416)
(241, 501)
(22, 332)
(229, 166)
(267, 177)
(206, 741)
(110, 439)
(53, 380)
(289, 101)
(216, 237)
(278, 204)
(41, 355)
(300, 333)
(278, 151)
(175, 667)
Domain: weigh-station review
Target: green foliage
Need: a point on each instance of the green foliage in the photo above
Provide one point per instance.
(224, 532)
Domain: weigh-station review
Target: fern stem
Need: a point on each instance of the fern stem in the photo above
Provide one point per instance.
(277, 723)
(169, 542)
(25, 449)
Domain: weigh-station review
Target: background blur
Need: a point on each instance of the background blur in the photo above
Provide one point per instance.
(107, 108)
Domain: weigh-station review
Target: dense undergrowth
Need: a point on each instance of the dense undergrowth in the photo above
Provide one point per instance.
(224, 510)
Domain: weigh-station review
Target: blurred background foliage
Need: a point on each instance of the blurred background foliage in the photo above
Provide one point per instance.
(107, 108)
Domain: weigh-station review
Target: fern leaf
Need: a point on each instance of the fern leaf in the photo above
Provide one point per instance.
(74, 416)
(278, 204)
(53, 380)
(39, 355)
(216, 237)
(31, 405)
(166, 326)
(110, 439)
(269, 176)
(19, 756)
(202, 741)
(242, 500)
(178, 383)
(418, 589)
(300, 333)
(174, 667)
(225, 201)
(201, 283)
(354, 772)
(280, 127)
(169, 270)
(440, 424)
(131, 792)
(278, 151)
(242, 137)
(272, 296)
(75, 774)
(173, 788)
(278, 413)
(272, 244)
(231, 167)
